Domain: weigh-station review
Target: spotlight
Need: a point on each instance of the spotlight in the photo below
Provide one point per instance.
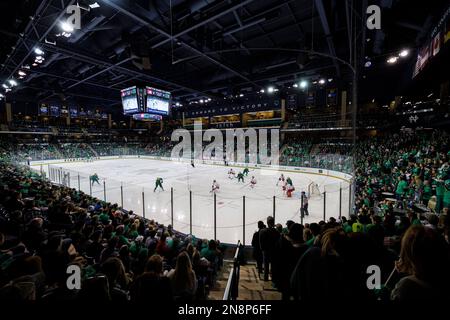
(241, 95)
(392, 60)
(94, 5)
(34, 64)
(201, 101)
(66, 27)
(303, 84)
(270, 89)
(368, 64)
(21, 73)
(330, 80)
(262, 90)
(12, 82)
(404, 53)
(322, 81)
(38, 51)
(295, 85)
(5, 86)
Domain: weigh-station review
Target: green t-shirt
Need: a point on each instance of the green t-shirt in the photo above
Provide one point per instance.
(401, 186)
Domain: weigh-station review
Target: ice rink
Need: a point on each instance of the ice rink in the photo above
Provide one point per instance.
(133, 180)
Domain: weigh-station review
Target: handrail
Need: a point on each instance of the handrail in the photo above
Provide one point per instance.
(231, 290)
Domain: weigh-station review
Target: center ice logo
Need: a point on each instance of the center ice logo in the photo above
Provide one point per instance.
(235, 145)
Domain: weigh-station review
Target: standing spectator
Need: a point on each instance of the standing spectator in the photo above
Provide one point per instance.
(268, 238)
(257, 253)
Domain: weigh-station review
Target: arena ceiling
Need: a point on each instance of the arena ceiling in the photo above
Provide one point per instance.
(195, 48)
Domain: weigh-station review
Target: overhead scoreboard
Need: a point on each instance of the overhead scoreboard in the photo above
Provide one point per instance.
(145, 104)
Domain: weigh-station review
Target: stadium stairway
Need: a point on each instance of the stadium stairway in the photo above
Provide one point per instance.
(251, 286)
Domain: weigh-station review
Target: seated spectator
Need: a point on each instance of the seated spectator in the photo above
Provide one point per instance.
(424, 259)
(152, 286)
(182, 278)
(210, 253)
(114, 270)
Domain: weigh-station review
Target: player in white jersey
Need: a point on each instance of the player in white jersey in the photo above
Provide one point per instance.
(281, 179)
(252, 182)
(231, 174)
(215, 187)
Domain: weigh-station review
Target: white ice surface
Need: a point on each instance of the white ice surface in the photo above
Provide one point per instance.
(137, 177)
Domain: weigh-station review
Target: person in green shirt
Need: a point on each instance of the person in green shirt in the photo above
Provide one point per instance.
(240, 177)
(246, 171)
(401, 187)
(158, 183)
(210, 252)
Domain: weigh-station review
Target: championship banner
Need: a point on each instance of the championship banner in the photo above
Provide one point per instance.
(332, 97)
(310, 99)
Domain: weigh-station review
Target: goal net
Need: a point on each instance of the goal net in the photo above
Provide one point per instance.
(313, 190)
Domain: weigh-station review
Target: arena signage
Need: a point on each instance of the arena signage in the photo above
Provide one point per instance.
(440, 36)
(230, 109)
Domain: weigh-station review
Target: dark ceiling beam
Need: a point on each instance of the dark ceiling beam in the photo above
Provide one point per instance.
(245, 26)
(231, 8)
(146, 22)
(74, 53)
(297, 23)
(269, 78)
(326, 30)
(233, 38)
(409, 25)
(289, 25)
(110, 68)
(57, 76)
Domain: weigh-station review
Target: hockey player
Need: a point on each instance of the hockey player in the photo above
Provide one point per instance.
(231, 174)
(215, 187)
(94, 178)
(289, 181)
(246, 171)
(192, 164)
(281, 179)
(289, 189)
(158, 183)
(252, 182)
(240, 177)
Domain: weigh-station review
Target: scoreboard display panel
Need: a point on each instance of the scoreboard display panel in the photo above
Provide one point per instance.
(130, 100)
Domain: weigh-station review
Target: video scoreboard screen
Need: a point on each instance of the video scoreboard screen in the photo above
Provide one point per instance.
(158, 101)
(43, 110)
(130, 100)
